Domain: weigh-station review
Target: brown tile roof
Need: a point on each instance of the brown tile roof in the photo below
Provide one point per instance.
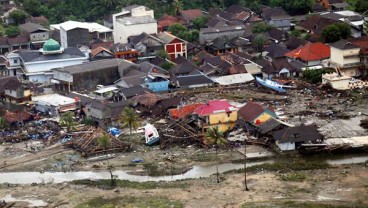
(251, 111)
(168, 20)
(18, 40)
(17, 116)
(191, 14)
(98, 50)
(316, 24)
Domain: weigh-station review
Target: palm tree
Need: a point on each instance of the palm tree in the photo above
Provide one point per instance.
(67, 120)
(109, 3)
(216, 138)
(130, 119)
(178, 6)
(104, 143)
(3, 123)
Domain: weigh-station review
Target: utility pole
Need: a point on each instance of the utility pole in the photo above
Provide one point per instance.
(245, 159)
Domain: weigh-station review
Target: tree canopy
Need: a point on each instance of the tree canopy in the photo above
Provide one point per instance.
(12, 31)
(261, 27)
(336, 32)
(18, 16)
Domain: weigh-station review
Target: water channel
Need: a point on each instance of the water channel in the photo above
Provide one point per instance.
(195, 172)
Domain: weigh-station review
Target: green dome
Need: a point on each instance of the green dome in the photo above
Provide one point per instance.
(51, 45)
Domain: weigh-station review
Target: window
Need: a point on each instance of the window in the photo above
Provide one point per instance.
(15, 61)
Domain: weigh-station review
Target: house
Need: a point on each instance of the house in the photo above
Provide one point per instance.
(173, 45)
(101, 53)
(270, 126)
(228, 32)
(190, 14)
(73, 33)
(312, 54)
(362, 42)
(294, 43)
(243, 44)
(4, 45)
(164, 22)
(127, 93)
(219, 46)
(41, 20)
(53, 104)
(275, 51)
(183, 111)
(346, 57)
(86, 76)
(193, 81)
(216, 113)
(37, 34)
(354, 19)
(36, 65)
(19, 42)
(14, 91)
(125, 51)
(163, 105)
(17, 117)
(318, 8)
(133, 20)
(279, 68)
(6, 16)
(293, 137)
(314, 26)
(107, 114)
(148, 45)
(329, 4)
(337, 81)
(277, 17)
(256, 114)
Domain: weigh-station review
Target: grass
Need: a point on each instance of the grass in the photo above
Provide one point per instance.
(295, 204)
(295, 177)
(130, 201)
(105, 184)
(286, 166)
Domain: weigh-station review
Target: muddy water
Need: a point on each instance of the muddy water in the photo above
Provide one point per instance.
(195, 172)
(59, 177)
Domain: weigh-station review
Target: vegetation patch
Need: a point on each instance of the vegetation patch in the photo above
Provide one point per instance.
(106, 184)
(130, 201)
(297, 204)
(294, 176)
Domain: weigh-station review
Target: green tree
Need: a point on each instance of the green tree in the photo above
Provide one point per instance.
(167, 65)
(163, 54)
(261, 27)
(361, 6)
(365, 27)
(33, 7)
(200, 22)
(296, 33)
(67, 120)
(216, 138)
(336, 32)
(104, 143)
(12, 31)
(3, 123)
(130, 119)
(18, 16)
(259, 42)
(175, 29)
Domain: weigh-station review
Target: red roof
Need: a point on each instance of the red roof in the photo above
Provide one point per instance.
(168, 20)
(310, 52)
(191, 14)
(184, 111)
(214, 106)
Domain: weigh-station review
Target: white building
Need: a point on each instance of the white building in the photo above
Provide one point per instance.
(133, 20)
(54, 104)
(37, 65)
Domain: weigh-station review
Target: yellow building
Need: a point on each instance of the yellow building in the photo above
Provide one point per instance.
(217, 113)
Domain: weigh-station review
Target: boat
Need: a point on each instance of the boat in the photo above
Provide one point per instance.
(151, 135)
(271, 84)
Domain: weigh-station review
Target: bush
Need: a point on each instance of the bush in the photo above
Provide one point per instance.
(314, 76)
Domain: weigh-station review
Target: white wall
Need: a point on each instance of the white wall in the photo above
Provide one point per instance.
(141, 11)
(63, 76)
(286, 146)
(63, 38)
(34, 67)
(122, 32)
(40, 36)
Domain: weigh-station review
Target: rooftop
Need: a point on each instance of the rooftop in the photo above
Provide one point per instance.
(91, 66)
(310, 52)
(136, 20)
(53, 100)
(91, 26)
(215, 106)
(36, 56)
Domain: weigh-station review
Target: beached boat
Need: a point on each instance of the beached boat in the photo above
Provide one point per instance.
(151, 134)
(271, 84)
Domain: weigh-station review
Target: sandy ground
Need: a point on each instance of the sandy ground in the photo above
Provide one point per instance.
(335, 186)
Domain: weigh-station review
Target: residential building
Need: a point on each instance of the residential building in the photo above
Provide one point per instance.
(228, 32)
(107, 114)
(312, 54)
(36, 65)
(274, 51)
(193, 81)
(148, 45)
(73, 33)
(126, 52)
(6, 16)
(332, 4)
(164, 22)
(54, 104)
(219, 46)
(362, 42)
(277, 17)
(346, 57)
(19, 42)
(314, 26)
(37, 34)
(86, 76)
(279, 68)
(256, 114)
(101, 53)
(216, 113)
(292, 138)
(12, 90)
(190, 14)
(173, 45)
(354, 19)
(133, 20)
